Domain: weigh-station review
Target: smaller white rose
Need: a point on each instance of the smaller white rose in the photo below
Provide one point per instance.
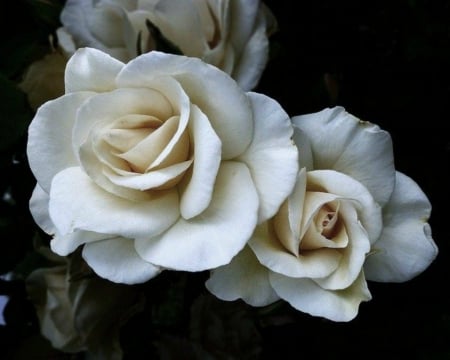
(230, 34)
(350, 217)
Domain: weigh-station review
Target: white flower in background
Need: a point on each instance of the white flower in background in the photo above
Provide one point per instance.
(230, 34)
(351, 217)
(162, 163)
(77, 311)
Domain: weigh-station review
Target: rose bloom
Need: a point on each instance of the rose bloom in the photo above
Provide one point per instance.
(350, 218)
(162, 163)
(230, 34)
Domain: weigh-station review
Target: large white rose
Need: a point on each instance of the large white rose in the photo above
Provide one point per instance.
(351, 217)
(230, 34)
(162, 163)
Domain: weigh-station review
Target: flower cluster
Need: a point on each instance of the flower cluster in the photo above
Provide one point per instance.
(158, 157)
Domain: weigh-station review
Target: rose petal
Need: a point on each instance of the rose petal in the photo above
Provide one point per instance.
(231, 117)
(254, 55)
(295, 203)
(206, 11)
(65, 42)
(405, 247)
(154, 149)
(90, 69)
(274, 256)
(305, 295)
(116, 260)
(343, 143)
(305, 155)
(271, 157)
(39, 210)
(49, 134)
(65, 244)
(77, 203)
(243, 278)
(197, 193)
(73, 17)
(105, 23)
(244, 21)
(180, 23)
(149, 180)
(214, 237)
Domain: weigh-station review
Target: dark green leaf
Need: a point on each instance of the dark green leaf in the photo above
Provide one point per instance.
(15, 113)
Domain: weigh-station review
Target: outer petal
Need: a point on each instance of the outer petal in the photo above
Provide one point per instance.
(305, 295)
(357, 148)
(65, 244)
(272, 157)
(254, 56)
(243, 18)
(405, 247)
(116, 260)
(73, 17)
(243, 278)
(91, 70)
(231, 117)
(77, 203)
(49, 137)
(214, 237)
(65, 42)
(39, 210)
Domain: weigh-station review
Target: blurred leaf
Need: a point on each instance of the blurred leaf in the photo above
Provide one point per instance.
(27, 38)
(15, 113)
(31, 261)
(168, 310)
(22, 50)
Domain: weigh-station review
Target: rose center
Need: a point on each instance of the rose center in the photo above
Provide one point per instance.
(325, 221)
(146, 143)
(326, 230)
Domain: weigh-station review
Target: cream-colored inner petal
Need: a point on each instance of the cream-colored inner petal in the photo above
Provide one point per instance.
(151, 152)
(129, 130)
(326, 230)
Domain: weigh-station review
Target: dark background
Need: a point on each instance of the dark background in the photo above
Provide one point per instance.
(386, 62)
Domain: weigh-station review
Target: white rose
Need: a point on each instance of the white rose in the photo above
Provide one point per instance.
(162, 163)
(230, 34)
(351, 217)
